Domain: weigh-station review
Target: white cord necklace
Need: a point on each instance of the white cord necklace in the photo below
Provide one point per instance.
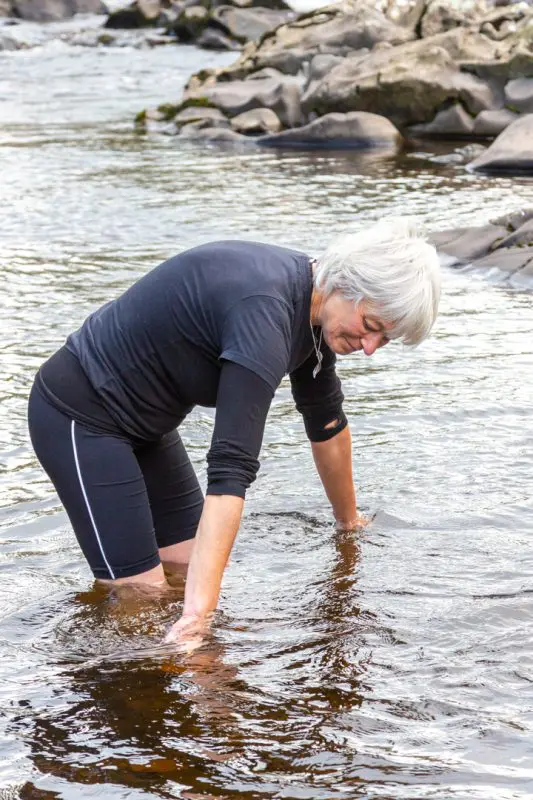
(318, 351)
(319, 356)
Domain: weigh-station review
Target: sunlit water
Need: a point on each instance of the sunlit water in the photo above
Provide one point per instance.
(393, 664)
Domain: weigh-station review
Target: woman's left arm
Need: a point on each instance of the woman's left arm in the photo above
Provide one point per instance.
(333, 460)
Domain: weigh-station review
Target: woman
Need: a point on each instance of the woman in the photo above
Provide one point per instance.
(219, 325)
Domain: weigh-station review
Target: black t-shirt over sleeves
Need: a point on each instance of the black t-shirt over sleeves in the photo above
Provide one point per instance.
(257, 335)
(319, 399)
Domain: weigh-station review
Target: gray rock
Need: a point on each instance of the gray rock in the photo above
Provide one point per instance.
(523, 237)
(357, 129)
(319, 67)
(511, 152)
(451, 122)
(190, 22)
(274, 5)
(197, 114)
(54, 10)
(440, 239)
(440, 16)
(278, 93)
(211, 39)
(6, 43)
(514, 220)
(338, 29)
(140, 14)
(519, 95)
(260, 120)
(509, 260)
(468, 244)
(492, 123)
(408, 84)
(248, 24)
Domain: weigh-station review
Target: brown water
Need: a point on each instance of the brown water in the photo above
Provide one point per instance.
(393, 664)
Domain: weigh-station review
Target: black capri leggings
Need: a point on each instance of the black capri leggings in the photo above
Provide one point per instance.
(124, 501)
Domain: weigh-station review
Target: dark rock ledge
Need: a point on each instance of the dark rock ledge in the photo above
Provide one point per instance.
(433, 71)
(504, 247)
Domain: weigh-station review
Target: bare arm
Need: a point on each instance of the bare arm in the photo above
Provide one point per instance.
(219, 523)
(333, 459)
(216, 533)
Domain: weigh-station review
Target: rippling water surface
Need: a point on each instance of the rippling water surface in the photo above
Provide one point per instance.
(393, 664)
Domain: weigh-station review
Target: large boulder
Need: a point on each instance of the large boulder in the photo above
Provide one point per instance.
(55, 10)
(248, 24)
(491, 123)
(357, 129)
(339, 29)
(511, 152)
(269, 90)
(409, 84)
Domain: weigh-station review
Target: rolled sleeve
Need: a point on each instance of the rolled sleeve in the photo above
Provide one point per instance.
(319, 400)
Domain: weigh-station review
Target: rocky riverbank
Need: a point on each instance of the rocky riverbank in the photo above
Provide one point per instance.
(504, 247)
(430, 72)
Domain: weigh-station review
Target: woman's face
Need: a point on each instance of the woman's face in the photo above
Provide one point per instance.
(347, 327)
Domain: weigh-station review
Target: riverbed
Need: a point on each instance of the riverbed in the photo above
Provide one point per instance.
(395, 663)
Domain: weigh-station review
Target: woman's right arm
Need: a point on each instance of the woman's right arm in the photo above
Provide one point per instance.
(243, 401)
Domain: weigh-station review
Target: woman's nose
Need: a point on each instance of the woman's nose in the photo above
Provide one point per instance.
(371, 342)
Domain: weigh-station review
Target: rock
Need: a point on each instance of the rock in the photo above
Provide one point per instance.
(6, 43)
(440, 16)
(514, 220)
(509, 260)
(199, 113)
(518, 64)
(357, 129)
(468, 244)
(319, 67)
(451, 122)
(519, 95)
(260, 120)
(190, 23)
(523, 237)
(274, 91)
(338, 29)
(503, 246)
(511, 152)
(248, 24)
(211, 39)
(492, 123)
(273, 5)
(408, 84)
(54, 10)
(139, 14)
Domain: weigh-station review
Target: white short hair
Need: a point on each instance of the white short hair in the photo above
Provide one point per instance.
(393, 268)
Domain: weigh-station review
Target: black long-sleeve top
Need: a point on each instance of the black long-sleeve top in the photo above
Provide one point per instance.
(219, 326)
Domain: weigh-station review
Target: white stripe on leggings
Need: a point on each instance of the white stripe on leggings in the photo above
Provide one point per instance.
(72, 428)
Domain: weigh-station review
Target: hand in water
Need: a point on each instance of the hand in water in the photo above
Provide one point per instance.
(354, 524)
(189, 632)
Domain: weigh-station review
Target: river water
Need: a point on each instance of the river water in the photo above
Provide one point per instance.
(397, 663)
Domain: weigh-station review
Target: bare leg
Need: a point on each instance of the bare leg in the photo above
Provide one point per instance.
(178, 553)
(152, 577)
